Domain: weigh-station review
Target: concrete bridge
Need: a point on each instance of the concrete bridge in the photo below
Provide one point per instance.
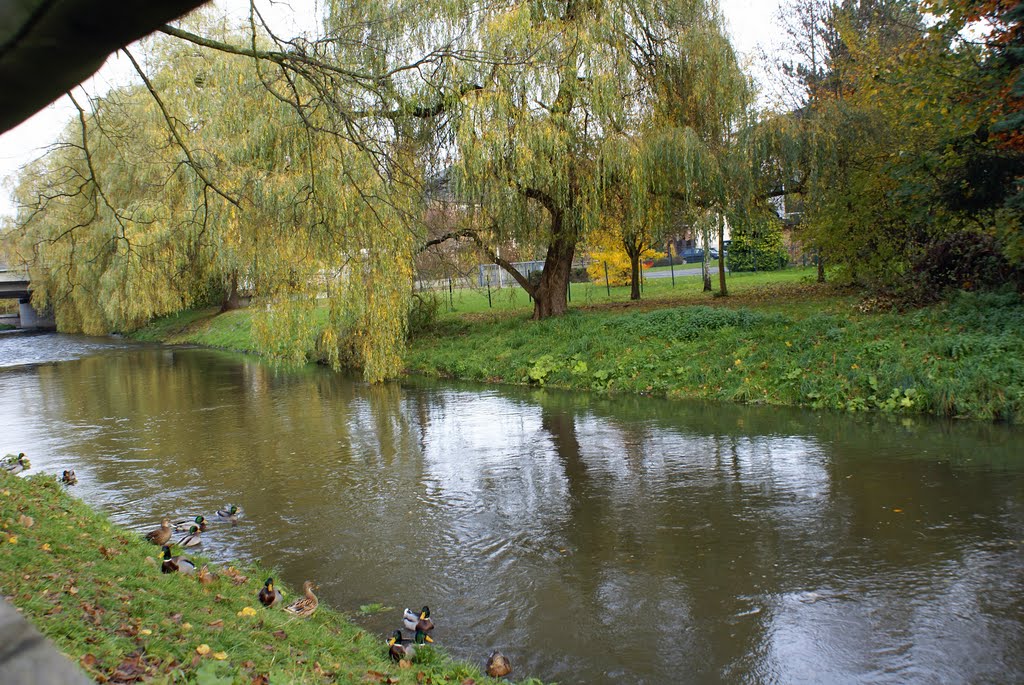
(14, 285)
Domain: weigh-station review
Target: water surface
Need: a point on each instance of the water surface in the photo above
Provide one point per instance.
(593, 540)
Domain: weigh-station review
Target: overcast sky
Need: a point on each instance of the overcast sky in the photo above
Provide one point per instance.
(751, 24)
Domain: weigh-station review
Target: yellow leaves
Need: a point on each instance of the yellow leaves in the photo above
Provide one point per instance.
(45, 546)
(186, 626)
(247, 611)
(12, 539)
(738, 362)
(220, 656)
(203, 649)
(145, 631)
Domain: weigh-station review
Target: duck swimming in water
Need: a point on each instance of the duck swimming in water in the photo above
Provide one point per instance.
(69, 478)
(420, 624)
(231, 514)
(498, 665)
(192, 539)
(184, 525)
(16, 464)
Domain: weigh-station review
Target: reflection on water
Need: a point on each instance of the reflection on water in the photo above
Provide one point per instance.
(593, 540)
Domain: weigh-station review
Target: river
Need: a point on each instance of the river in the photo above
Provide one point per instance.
(591, 539)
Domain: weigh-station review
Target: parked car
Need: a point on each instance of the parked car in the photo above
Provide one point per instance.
(713, 252)
(692, 254)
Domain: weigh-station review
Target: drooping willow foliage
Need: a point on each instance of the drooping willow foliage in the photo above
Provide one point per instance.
(294, 171)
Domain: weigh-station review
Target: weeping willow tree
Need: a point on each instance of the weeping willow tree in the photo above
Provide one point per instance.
(213, 174)
(595, 103)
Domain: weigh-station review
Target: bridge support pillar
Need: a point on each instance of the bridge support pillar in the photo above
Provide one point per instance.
(30, 318)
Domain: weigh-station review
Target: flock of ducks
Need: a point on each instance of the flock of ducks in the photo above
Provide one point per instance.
(400, 648)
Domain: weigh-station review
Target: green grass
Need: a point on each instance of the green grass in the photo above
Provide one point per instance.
(779, 338)
(97, 591)
(798, 346)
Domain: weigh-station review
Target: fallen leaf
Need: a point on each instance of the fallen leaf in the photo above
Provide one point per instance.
(220, 656)
(404, 663)
(280, 634)
(468, 681)
(26, 521)
(247, 611)
(219, 623)
(203, 649)
(45, 546)
(186, 626)
(261, 679)
(88, 661)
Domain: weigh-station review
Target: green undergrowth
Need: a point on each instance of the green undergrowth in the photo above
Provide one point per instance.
(962, 359)
(97, 591)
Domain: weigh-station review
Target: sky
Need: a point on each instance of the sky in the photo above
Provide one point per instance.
(751, 24)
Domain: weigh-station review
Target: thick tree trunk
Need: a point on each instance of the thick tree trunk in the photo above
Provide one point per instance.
(633, 250)
(705, 272)
(821, 269)
(549, 299)
(231, 300)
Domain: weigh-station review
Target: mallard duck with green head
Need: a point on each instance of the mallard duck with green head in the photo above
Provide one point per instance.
(305, 605)
(269, 595)
(161, 535)
(192, 539)
(397, 651)
(230, 513)
(184, 525)
(420, 624)
(16, 464)
(176, 564)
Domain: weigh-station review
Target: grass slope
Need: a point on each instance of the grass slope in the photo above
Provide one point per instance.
(98, 593)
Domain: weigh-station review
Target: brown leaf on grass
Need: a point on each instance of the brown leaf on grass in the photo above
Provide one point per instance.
(127, 630)
(236, 576)
(261, 679)
(280, 634)
(56, 609)
(219, 623)
(218, 598)
(88, 661)
(108, 553)
(404, 664)
(421, 677)
(26, 521)
(249, 664)
(374, 676)
(468, 681)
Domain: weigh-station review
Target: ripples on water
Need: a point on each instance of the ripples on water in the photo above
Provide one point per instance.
(593, 540)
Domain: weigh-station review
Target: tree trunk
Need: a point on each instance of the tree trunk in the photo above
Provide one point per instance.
(821, 269)
(721, 257)
(705, 272)
(633, 250)
(231, 300)
(549, 296)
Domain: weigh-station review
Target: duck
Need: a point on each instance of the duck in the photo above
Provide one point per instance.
(231, 513)
(498, 665)
(269, 596)
(14, 465)
(205, 577)
(69, 478)
(176, 564)
(184, 525)
(420, 624)
(304, 606)
(161, 535)
(396, 650)
(192, 539)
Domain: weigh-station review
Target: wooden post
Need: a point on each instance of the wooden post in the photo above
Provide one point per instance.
(607, 285)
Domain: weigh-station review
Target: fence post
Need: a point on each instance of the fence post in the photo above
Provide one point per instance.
(451, 295)
(489, 305)
(671, 266)
(607, 286)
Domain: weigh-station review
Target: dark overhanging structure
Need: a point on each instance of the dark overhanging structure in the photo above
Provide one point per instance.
(47, 47)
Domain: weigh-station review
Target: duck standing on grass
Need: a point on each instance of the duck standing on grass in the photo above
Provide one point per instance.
(304, 606)
(161, 535)
(269, 596)
(192, 539)
(396, 650)
(498, 665)
(420, 624)
(176, 564)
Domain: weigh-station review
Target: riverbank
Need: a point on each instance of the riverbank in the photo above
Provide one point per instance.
(97, 591)
(785, 342)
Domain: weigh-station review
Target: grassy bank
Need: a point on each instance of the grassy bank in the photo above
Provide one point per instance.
(97, 591)
(778, 339)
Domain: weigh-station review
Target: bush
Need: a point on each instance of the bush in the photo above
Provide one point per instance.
(962, 261)
(423, 313)
(758, 247)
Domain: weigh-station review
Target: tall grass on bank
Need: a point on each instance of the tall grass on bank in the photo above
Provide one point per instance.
(97, 591)
(963, 359)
